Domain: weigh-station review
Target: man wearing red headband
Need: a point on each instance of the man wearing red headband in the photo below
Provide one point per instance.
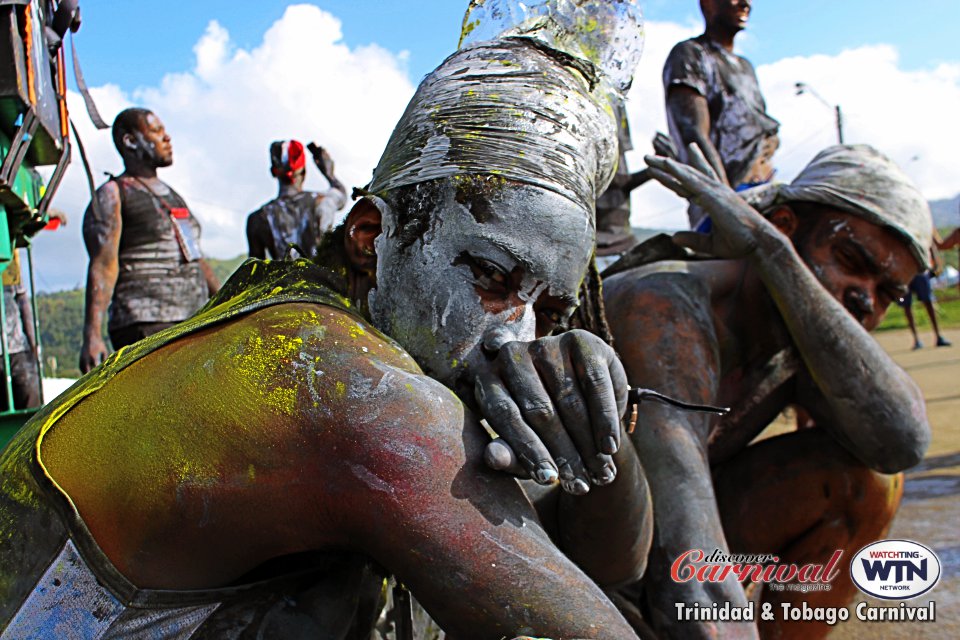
(295, 218)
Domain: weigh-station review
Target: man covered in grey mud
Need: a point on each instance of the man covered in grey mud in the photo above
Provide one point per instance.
(144, 245)
(614, 234)
(20, 341)
(295, 218)
(779, 316)
(714, 101)
(313, 428)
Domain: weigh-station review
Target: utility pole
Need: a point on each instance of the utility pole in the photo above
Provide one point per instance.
(803, 87)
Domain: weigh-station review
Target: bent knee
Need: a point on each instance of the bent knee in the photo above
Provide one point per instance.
(867, 499)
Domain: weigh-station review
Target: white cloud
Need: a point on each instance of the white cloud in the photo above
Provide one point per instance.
(908, 114)
(653, 205)
(300, 82)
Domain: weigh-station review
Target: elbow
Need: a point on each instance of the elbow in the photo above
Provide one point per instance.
(907, 442)
(905, 452)
(890, 430)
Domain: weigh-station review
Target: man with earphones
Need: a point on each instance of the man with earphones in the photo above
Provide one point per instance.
(144, 245)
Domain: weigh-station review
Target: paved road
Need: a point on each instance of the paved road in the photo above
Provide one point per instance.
(930, 512)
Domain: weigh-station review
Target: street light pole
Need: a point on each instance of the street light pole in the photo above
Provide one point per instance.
(803, 87)
(839, 125)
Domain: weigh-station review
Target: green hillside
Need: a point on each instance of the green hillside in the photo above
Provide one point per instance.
(61, 319)
(61, 323)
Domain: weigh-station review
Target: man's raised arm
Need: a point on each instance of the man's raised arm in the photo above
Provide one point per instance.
(876, 410)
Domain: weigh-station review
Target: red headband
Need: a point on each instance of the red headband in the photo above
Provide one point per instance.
(292, 158)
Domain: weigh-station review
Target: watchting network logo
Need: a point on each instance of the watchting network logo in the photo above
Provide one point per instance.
(895, 569)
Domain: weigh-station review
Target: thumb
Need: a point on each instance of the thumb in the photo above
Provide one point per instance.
(500, 457)
(695, 241)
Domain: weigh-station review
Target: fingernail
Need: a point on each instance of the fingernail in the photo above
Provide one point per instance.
(610, 445)
(545, 473)
(578, 487)
(606, 476)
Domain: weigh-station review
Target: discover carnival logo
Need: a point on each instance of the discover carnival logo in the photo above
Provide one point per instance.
(718, 566)
(895, 569)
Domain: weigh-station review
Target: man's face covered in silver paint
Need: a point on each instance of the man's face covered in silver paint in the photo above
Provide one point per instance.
(495, 264)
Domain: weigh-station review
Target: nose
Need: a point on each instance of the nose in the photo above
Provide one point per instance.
(518, 327)
(496, 337)
(859, 303)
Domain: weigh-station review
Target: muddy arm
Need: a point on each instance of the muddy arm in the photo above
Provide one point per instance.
(877, 410)
(663, 328)
(608, 531)
(691, 115)
(463, 537)
(101, 234)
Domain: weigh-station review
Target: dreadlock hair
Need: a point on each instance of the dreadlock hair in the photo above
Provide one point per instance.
(591, 315)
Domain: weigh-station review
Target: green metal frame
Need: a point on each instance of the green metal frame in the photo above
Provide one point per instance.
(27, 189)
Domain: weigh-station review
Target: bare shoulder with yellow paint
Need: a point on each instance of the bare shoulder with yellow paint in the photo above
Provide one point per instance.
(218, 425)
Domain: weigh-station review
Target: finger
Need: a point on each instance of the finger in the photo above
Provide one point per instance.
(681, 172)
(504, 418)
(699, 162)
(593, 372)
(663, 145)
(671, 183)
(695, 241)
(538, 410)
(621, 386)
(499, 456)
(562, 385)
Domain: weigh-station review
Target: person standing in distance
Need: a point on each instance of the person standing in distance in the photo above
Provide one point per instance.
(295, 217)
(144, 245)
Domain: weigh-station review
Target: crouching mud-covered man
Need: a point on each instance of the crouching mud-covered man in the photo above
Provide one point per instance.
(255, 471)
(779, 318)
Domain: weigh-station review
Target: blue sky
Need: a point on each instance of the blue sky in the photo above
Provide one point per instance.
(266, 70)
(132, 43)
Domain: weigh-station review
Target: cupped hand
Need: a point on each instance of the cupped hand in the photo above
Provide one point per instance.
(556, 404)
(736, 224)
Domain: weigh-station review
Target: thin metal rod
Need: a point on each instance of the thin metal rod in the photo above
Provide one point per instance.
(36, 323)
(637, 396)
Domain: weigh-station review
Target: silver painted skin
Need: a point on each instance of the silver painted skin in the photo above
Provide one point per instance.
(431, 306)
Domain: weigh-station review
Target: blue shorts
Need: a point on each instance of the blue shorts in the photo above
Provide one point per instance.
(920, 287)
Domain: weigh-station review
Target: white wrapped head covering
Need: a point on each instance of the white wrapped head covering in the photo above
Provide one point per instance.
(861, 181)
(518, 107)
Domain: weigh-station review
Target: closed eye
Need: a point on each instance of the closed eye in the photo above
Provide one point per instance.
(487, 275)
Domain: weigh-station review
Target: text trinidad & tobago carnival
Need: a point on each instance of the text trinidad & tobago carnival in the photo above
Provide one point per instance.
(766, 569)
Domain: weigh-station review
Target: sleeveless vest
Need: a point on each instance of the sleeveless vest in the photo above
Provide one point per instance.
(155, 282)
(55, 582)
(289, 220)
